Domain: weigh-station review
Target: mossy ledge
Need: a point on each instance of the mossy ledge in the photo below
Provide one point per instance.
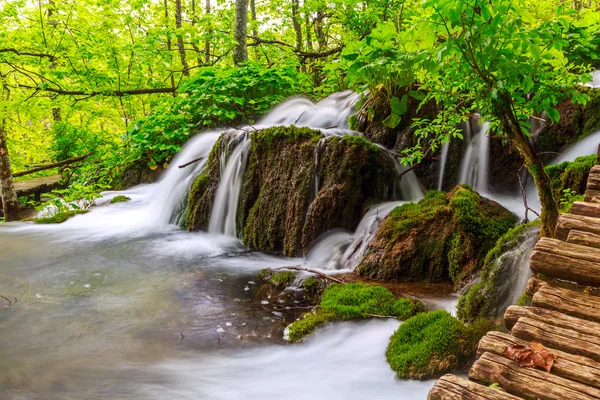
(276, 211)
(60, 217)
(444, 237)
(120, 199)
(350, 302)
(571, 175)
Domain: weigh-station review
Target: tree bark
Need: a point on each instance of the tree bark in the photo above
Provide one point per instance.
(10, 202)
(512, 128)
(207, 43)
(240, 32)
(180, 43)
(296, 24)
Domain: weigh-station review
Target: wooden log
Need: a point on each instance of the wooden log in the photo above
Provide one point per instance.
(566, 222)
(567, 261)
(584, 238)
(590, 194)
(528, 382)
(50, 166)
(567, 301)
(587, 209)
(555, 337)
(576, 368)
(452, 387)
(513, 313)
(593, 182)
(533, 285)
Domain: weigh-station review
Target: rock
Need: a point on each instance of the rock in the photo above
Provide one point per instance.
(444, 237)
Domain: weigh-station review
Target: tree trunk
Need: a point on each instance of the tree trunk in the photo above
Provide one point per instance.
(319, 30)
(296, 24)
(207, 43)
(510, 123)
(180, 44)
(169, 43)
(240, 32)
(309, 44)
(254, 26)
(10, 202)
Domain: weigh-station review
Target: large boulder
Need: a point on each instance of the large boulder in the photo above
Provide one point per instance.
(444, 237)
(280, 209)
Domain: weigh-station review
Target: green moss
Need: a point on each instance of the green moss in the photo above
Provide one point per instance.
(570, 175)
(283, 279)
(354, 301)
(524, 300)
(311, 284)
(120, 199)
(59, 218)
(481, 298)
(428, 345)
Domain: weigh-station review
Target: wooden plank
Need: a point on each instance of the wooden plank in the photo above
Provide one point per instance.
(452, 387)
(576, 368)
(37, 185)
(567, 301)
(566, 222)
(513, 313)
(528, 382)
(585, 208)
(584, 238)
(567, 340)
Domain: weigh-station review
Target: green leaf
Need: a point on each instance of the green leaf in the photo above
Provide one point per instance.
(399, 106)
(392, 121)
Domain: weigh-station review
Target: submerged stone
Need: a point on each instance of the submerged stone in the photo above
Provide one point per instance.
(444, 237)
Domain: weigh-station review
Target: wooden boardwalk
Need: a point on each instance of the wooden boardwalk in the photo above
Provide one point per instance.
(37, 186)
(565, 321)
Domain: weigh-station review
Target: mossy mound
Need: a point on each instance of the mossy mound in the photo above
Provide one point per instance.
(444, 237)
(571, 176)
(430, 344)
(119, 199)
(60, 217)
(486, 298)
(278, 210)
(353, 301)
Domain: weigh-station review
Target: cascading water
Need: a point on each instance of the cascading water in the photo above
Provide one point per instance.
(443, 159)
(319, 148)
(475, 164)
(224, 214)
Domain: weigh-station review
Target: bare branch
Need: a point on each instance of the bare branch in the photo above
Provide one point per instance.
(28, 53)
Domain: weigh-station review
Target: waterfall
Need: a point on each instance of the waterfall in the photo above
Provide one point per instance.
(584, 147)
(444, 157)
(474, 168)
(319, 148)
(224, 213)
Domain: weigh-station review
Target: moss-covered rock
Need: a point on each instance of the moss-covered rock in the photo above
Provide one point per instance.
(60, 217)
(119, 199)
(571, 176)
(489, 297)
(443, 237)
(278, 210)
(353, 301)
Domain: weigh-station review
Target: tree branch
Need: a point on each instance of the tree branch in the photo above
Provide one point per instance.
(27, 53)
(116, 93)
(313, 271)
(53, 165)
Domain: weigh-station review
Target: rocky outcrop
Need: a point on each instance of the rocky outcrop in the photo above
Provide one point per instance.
(444, 237)
(279, 209)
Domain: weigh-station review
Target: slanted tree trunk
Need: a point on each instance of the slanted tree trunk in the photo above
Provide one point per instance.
(10, 202)
(180, 44)
(510, 123)
(240, 32)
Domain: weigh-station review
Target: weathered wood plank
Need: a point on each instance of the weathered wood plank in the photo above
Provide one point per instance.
(528, 382)
(513, 313)
(584, 238)
(452, 387)
(567, 301)
(577, 368)
(567, 340)
(566, 261)
(585, 208)
(566, 222)
(37, 185)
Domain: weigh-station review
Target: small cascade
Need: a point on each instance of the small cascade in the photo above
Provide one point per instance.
(224, 213)
(474, 168)
(167, 194)
(584, 147)
(515, 270)
(319, 148)
(443, 159)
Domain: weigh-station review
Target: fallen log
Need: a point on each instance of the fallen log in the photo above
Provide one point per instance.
(584, 238)
(452, 387)
(567, 340)
(566, 222)
(513, 313)
(577, 368)
(50, 166)
(567, 261)
(195, 160)
(567, 301)
(528, 382)
(585, 208)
